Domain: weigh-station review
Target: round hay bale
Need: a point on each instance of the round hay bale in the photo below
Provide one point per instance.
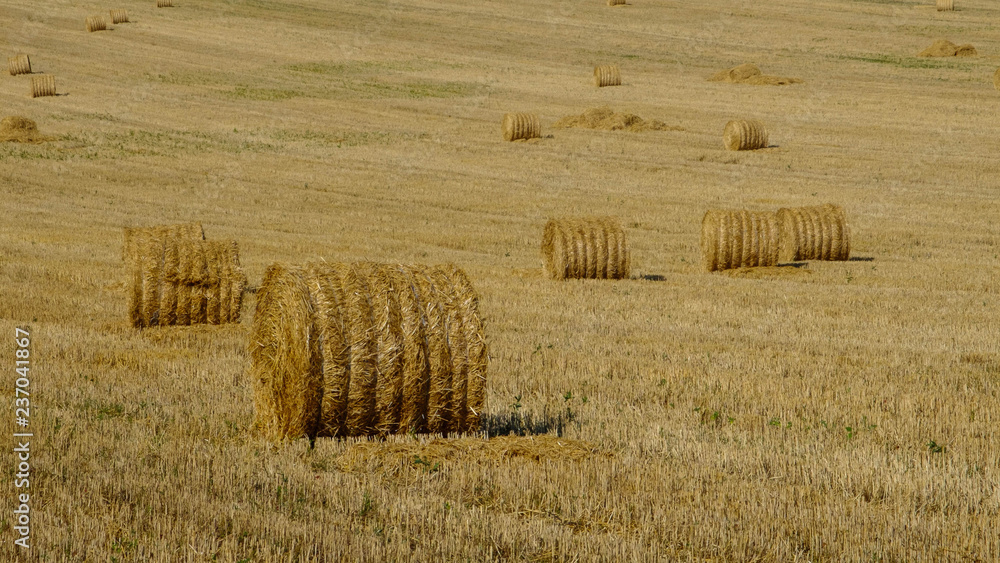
(19, 64)
(996, 79)
(394, 349)
(285, 363)
(744, 135)
(814, 233)
(44, 85)
(738, 239)
(945, 5)
(213, 262)
(119, 15)
(517, 126)
(607, 75)
(616, 2)
(96, 23)
(589, 247)
(164, 3)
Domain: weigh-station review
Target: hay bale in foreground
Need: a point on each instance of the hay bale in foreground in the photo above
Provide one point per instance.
(19, 64)
(96, 23)
(517, 126)
(945, 5)
(119, 15)
(814, 233)
(738, 239)
(607, 75)
(744, 135)
(588, 247)
(44, 85)
(366, 349)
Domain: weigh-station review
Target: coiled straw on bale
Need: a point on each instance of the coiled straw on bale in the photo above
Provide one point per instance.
(164, 3)
(590, 247)
(96, 23)
(44, 85)
(744, 135)
(814, 233)
(367, 349)
(19, 64)
(521, 126)
(738, 239)
(945, 5)
(607, 75)
(616, 2)
(119, 15)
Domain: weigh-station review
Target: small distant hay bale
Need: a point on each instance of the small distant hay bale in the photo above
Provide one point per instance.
(518, 126)
(814, 233)
(96, 23)
(996, 79)
(17, 129)
(119, 15)
(616, 2)
(164, 3)
(607, 75)
(738, 239)
(945, 48)
(945, 5)
(587, 247)
(744, 135)
(44, 85)
(366, 349)
(19, 64)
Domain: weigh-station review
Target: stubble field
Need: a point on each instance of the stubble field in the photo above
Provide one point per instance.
(838, 411)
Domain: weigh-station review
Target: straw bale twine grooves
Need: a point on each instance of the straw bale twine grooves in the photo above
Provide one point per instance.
(607, 75)
(738, 239)
(590, 247)
(96, 23)
(945, 5)
(164, 3)
(19, 64)
(44, 85)
(744, 135)
(814, 233)
(367, 349)
(517, 126)
(119, 15)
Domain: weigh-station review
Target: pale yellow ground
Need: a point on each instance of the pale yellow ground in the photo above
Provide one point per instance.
(831, 411)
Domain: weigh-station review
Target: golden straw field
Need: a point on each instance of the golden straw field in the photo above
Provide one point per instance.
(809, 411)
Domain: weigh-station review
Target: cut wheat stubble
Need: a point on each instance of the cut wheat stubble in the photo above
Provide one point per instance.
(589, 247)
(744, 135)
(19, 64)
(738, 239)
(44, 85)
(607, 75)
(520, 126)
(814, 233)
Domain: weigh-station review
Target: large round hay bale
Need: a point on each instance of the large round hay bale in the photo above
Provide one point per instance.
(19, 64)
(607, 75)
(517, 126)
(588, 247)
(119, 15)
(44, 85)
(945, 5)
(744, 135)
(96, 23)
(814, 233)
(738, 239)
(393, 349)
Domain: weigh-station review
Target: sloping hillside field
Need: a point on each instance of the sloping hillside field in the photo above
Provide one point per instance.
(819, 383)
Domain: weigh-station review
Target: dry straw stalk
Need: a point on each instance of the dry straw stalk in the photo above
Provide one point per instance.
(119, 15)
(19, 64)
(589, 247)
(517, 126)
(607, 75)
(44, 85)
(367, 349)
(96, 23)
(814, 233)
(744, 135)
(738, 239)
(945, 5)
